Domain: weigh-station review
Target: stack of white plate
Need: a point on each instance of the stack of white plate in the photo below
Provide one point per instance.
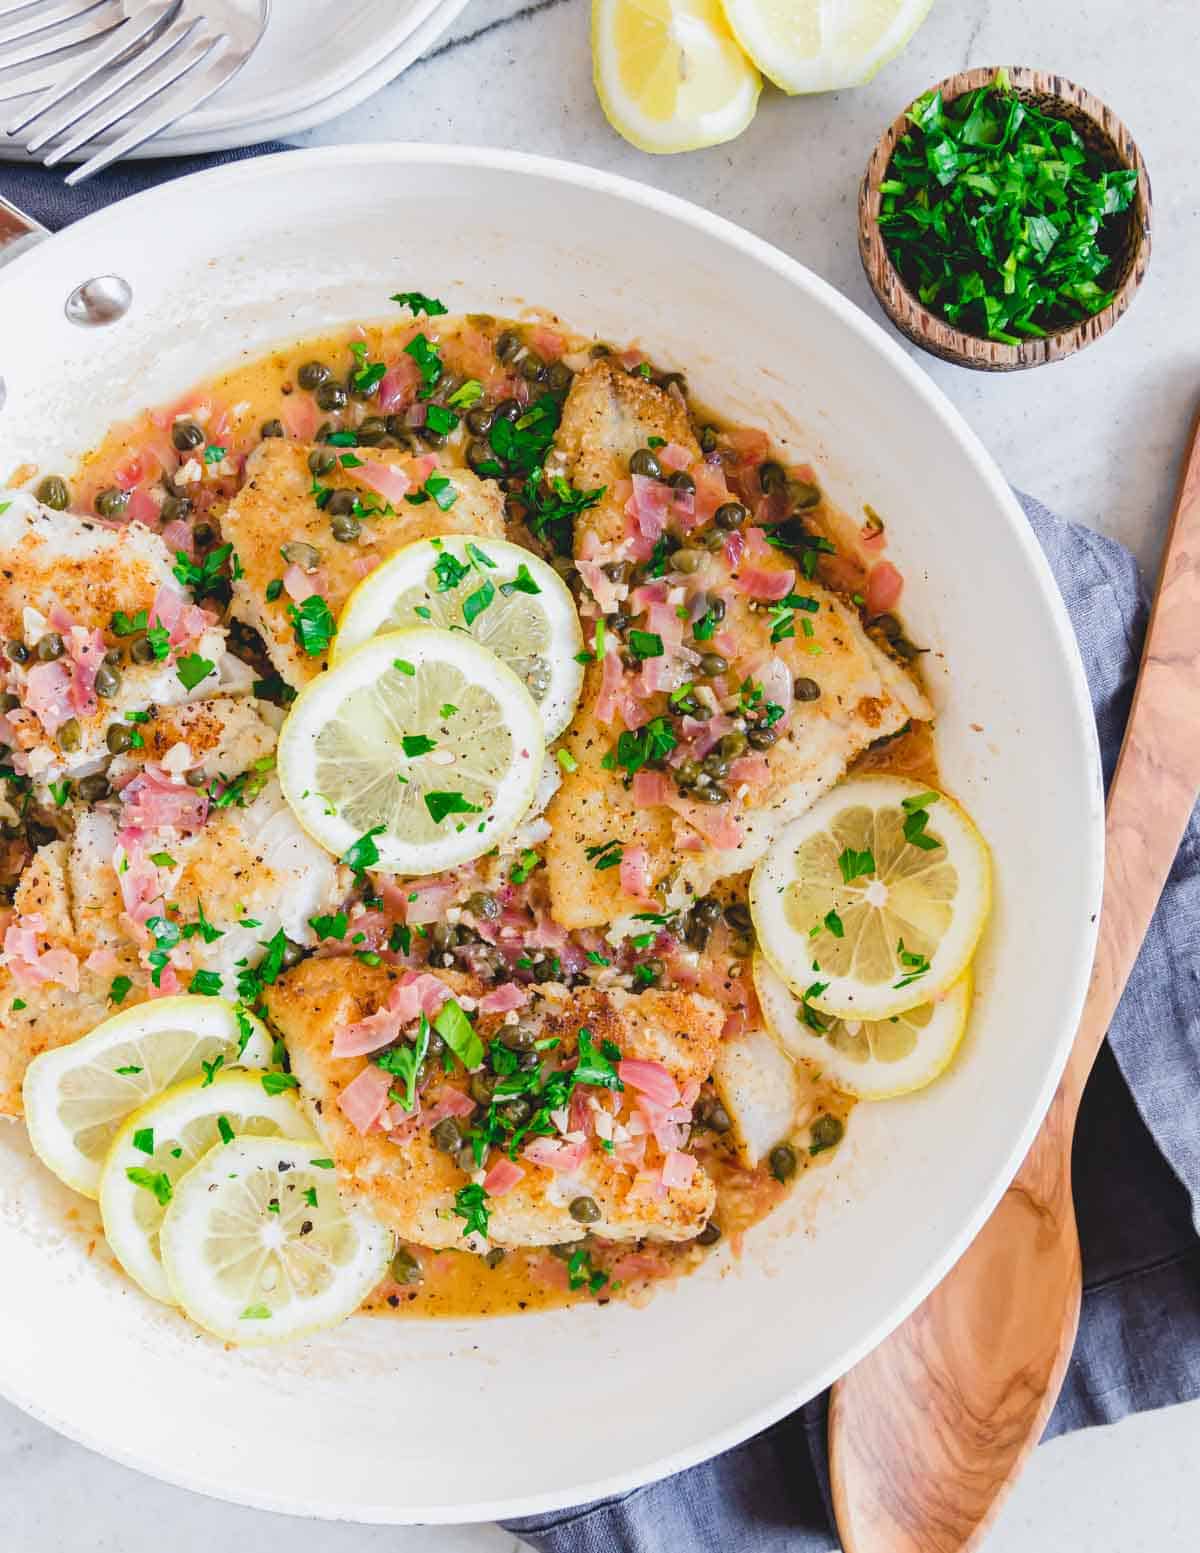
(318, 58)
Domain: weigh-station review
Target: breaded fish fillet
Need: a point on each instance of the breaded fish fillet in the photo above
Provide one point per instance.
(275, 507)
(57, 561)
(411, 1185)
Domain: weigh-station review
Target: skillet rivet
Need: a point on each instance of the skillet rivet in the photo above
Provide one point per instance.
(102, 300)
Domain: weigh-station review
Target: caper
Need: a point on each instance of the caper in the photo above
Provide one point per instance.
(803, 494)
(712, 664)
(681, 481)
(293, 953)
(39, 835)
(405, 1268)
(433, 439)
(332, 396)
(584, 1210)
(494, 1257)
(108, 680)
(345, 527)
(479, 453)
(271, 429)
(204, 534)
(186, 435)
(93, 788)
(324, 431)
(644, 462)
(118, 738)
(176, 508)
(708, 439)
(443, 936)
(687, 560)
(806, 689)
(299, 553)
(111, 503)
(730, 515)
(482, 1086)
(70, 735)
(716, 766)
(447, 1136)
(518, 1038)
(196, 777)
(532, 368)
(826, 1132)
(687, 774)
(733, 744)
(372, 431)
(905, 648)
(509, 410)
(711, 538)
(710, 1234)
(673, 380)
(762, 738)
(507, 345)
(548, 969)
(558, 377)
(527, 1061)
(465, 1159)
(716, 609)
(141, 649)
(8, 702)
(887, 626)
(565, 1249)
(772, 477)
(599, 350)
(782, 1160)
(515, 1112)
(485, 906)
(321, 461)
(49, 647)
(53, 492)
(737, 914)
(341, 502)
(16, 650)
(712, 1114)
(399, 428)
(711, 793)
(312, 374)
(479, 420)
(708, 909)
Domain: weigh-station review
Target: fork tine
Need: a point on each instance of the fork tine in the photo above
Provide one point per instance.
(139, 97)
(96, 62)
(94, 25)
(194, 89)
(44, 18)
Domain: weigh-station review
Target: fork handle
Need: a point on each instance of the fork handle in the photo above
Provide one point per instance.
(18, 231)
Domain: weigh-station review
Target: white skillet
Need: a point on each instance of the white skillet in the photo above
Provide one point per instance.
(396, 1421)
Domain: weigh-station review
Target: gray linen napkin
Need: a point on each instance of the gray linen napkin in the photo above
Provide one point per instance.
(1137, 1151)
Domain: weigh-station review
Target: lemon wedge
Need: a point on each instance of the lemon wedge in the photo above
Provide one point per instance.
(823, 45)
(871, 1059)
(416, 753)
(874, 900)
(669, 75)
(258, 1246)
(508, 599)
(77, 1097)
(161, 1142)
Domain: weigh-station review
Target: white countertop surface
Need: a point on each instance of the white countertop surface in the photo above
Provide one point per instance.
(1098, 438)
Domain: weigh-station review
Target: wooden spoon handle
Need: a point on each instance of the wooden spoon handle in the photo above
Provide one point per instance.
(1157, 778)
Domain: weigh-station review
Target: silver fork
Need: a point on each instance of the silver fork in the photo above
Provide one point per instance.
(143, 65)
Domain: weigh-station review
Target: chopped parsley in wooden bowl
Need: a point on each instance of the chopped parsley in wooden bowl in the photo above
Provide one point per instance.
(1004, 220)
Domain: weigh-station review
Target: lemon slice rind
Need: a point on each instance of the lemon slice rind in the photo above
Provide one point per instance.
(340, 756)
(75, 1094)
(940, 898)
(219, 1213)
(810, 46)
(866, 1058)
(536, 634)
(186, 1118)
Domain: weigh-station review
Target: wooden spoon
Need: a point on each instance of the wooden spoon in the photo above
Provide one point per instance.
(928, 1434)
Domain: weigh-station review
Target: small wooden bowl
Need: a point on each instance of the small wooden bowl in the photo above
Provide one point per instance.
(1102, 132)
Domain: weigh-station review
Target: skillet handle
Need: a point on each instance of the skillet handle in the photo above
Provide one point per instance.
(18, 231)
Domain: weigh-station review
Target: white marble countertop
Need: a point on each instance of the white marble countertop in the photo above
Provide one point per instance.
(1097, 437)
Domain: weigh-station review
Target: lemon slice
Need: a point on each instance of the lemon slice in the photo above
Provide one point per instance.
(823, 45)
(874, 900)
(422, 746)
(872, 1059)
(259, 1248)
(508, 599)
(77, 1097)
(669, 75)
(162, 1141)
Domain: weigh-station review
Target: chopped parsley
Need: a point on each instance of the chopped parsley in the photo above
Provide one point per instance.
(213, 454)
(916, 818)
(118, 988)
(856, 865)
(834, 924)
(211, 1069)
(225, 1129)
(367, 375)
(580, 1271)
(429, 364)
(333, 926)
(275, 1083)
(524, 866)
(440, 805)
(606, 854)
(206, 984)
(313, 625)
(520, 446)
(596, 1062)
(273, 589)
(156, 1181)
(122, 624)
(466, 394)
(645, 644)
(438, 488)
(143, 1140)
(404, 1061)
(415, 744)
(202, 578)
(783, 615)
(523, 582)
(192, 668)
(452, 1024)
(417, 302)
(469, 1205)
(60, 791)
(644, 746)
(915, 966)
(363, 853)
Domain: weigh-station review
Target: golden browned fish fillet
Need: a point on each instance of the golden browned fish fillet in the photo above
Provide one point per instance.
(411, 1185)
(608, 416)
(275, 507)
